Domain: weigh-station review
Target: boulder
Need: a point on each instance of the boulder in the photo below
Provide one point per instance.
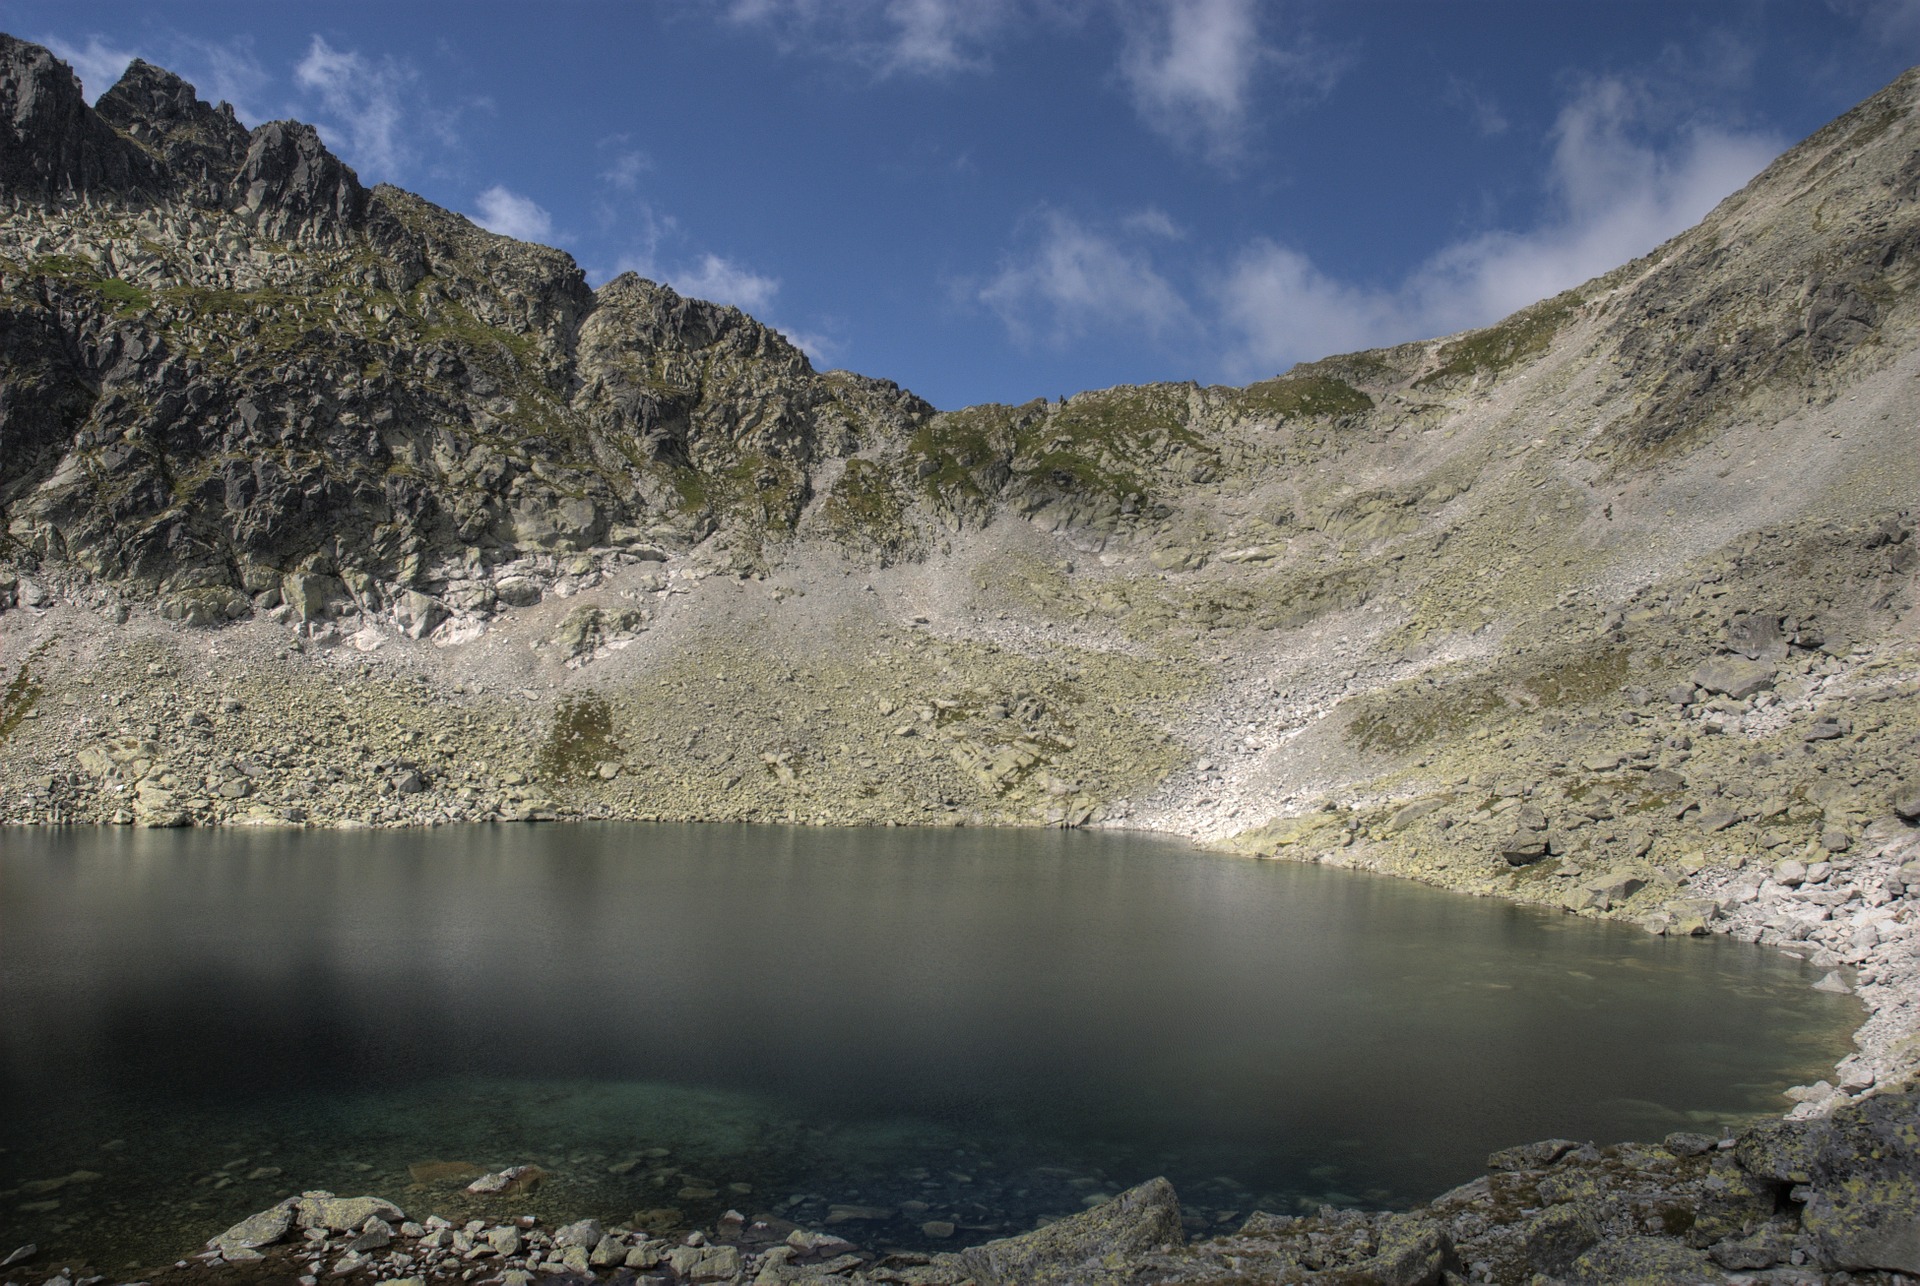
(262, 1229)
(343, 1214)
(1079, 1248)
(1523, 848)
(1560, 1235)
(312, 595)
(1757, 637)
(584, 1232)
(1735, 676)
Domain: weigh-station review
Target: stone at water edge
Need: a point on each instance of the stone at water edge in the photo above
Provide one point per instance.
(584, 1232)
(21, 1255)
(516, 1178)
(257, 1230)
(1137, 1222)
(321, 1209)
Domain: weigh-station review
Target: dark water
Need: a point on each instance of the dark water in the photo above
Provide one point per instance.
(991, 1026)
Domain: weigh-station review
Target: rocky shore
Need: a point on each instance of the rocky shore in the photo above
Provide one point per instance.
(325, 508)
(1833, 1201)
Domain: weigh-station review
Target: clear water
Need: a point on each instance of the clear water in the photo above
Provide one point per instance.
(978, 1027)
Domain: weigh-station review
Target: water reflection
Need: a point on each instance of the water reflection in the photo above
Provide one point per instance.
(817, 1007)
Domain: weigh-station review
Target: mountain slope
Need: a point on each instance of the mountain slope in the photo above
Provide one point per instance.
(326, 506)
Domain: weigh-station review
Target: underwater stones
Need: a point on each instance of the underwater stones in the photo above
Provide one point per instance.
(516, 1178)
(858, 1214)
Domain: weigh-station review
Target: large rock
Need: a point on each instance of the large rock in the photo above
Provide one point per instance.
(1735, 676)
(1092, 1247)
(262, 1229)
(1859, 1171)
(1757, 637)
(343, 1214)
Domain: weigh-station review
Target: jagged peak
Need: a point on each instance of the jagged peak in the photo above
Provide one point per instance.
(51, 143)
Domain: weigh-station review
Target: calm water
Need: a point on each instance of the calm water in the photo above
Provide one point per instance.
(980, 1027)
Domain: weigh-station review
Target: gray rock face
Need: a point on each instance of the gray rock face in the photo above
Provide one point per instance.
(1089, 1247)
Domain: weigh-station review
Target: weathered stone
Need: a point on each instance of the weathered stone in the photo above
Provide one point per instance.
(1559, 1235)
(517, 1178)
(1757, 637)
(1531, 1156)
(1642, 1261)
(1523, 848)
(262, 1229)
(1735, 677)
(342, 1214)
(1090, 1247)
(585, 1232)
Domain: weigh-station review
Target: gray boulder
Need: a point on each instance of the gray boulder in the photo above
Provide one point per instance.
(1091, 1247)
(1735, 676)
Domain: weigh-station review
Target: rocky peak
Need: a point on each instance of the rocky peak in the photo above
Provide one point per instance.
(200, 145)
(296, 189)
(51, 143)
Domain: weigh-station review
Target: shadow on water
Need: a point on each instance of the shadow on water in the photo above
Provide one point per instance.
(979, 1027)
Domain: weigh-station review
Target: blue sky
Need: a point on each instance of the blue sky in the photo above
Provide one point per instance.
(1006, 199)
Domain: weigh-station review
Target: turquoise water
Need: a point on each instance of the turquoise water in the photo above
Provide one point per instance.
(974, 1027)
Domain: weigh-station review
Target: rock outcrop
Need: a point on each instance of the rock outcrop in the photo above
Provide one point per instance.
(324, 506)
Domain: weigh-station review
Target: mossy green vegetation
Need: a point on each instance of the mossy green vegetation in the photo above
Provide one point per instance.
(580, 740)
(1304, 395)
(18, 698)
(863, 507)
(1503, 346)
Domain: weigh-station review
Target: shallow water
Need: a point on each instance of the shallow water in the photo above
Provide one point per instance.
(981, 1027)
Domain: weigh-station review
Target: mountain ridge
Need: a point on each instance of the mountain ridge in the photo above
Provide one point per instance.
(324, 506)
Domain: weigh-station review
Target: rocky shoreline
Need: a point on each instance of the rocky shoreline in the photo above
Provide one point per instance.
(1833, 1201)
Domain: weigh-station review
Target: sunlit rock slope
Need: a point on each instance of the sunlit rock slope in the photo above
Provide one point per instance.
(324, 506)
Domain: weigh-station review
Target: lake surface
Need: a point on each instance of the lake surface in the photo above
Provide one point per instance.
(978, 1027)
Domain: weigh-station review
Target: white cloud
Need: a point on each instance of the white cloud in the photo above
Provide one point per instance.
(512, 215)
(911, 37)
(1154, 222)
(97, 63)
(1479, 107)
(1075, 279)
(1616, 191)
(1191, 67)
(726, 282)
(624, 171)
(822, 350)
(365, 98)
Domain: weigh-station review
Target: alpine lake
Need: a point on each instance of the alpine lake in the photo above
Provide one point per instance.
(952, 1033)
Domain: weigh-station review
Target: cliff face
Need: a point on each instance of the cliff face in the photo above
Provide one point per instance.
(230, 363)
